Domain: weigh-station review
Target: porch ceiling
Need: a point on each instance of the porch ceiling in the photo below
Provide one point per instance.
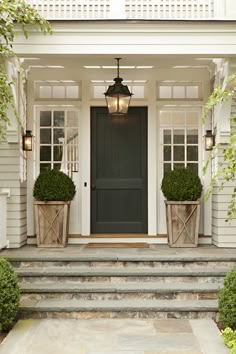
(156, 62)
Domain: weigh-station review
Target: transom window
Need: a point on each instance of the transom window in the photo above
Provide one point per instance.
(59, 140)
(178, 91)
(57, 90)
(180, 141)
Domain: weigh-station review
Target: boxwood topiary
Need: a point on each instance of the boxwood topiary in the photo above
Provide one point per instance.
(181, 185)
(9, 295)
(227, 300)
(54, 185)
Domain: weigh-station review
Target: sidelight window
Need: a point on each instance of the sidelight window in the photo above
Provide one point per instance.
(58, 140)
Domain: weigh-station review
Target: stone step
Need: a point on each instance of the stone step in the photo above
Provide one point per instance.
(82, 274)
(52, 308)
(123, 262)
(117, 291)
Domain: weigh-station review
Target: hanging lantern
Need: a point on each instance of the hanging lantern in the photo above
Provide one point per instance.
(118, 95)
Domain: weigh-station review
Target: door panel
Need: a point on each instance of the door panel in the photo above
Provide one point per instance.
(119, 172)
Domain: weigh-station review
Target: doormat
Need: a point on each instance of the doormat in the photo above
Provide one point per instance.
(118, 245)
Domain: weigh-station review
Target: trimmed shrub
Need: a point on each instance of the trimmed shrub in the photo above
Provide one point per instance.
(230, 339)
(9, 295)
(181, 185)
(54, 185)
(227, 301)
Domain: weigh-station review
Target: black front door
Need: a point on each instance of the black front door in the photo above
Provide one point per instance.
(119, 171)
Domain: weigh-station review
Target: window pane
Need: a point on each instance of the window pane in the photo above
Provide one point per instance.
(167, 168)
(72, 135)
(178, 153)
(72, 92)
(167, 153)
(45, 119)
(45, 153)
(192, 136)
(58, 92)
(45, 136)
(165, 92)
(72, 119)
(178, 91)
(45, 167)
(57, 166)
(138, 91)
(192, 92)
(45, 92)
(178, 165)
(58, 119)
(178, 136)
(192, 153)
(58, 136)
(193, 167)
(57, 153)
(98, 91)
(167, 136)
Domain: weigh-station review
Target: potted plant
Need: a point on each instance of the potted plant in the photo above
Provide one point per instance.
(182, 188)
(53, 192)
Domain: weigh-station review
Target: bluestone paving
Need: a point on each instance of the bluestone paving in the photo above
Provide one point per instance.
(114, 336)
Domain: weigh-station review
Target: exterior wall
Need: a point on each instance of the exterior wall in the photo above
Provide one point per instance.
(12, 166)
(223, 233)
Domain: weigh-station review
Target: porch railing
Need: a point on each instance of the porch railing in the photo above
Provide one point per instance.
(133, 9)
(69, 163)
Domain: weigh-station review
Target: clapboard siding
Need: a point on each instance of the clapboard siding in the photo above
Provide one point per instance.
(10, 179)
(223, 233)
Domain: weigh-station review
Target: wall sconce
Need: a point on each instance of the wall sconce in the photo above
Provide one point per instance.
(118, 96)
(27, 140)
(209, 140)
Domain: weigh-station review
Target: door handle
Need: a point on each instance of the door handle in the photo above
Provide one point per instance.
(93, 187)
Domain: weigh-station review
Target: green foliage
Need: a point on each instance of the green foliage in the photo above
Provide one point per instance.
(230, 339)
(226, 171)
(54, 185)
(181, 184)
(13, 13)
(227, 301)
(9, 295)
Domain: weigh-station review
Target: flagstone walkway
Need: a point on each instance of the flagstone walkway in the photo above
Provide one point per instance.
(114, 336)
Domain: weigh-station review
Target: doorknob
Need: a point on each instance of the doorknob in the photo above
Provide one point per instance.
(93, 187)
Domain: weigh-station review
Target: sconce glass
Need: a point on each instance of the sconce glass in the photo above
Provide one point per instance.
(27, 141)
(209, 140)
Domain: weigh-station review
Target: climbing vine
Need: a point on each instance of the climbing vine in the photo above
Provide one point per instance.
(14, 13)
(226, 170)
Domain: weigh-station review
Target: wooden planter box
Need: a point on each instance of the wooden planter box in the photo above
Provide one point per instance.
(182, 223)
(51, 220)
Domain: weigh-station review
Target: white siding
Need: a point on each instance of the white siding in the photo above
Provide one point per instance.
(223, 233)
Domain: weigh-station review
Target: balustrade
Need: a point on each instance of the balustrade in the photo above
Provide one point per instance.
(133, 9)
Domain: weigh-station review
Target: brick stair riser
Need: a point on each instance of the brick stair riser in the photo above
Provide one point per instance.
(125, 264)
(121, 296)
(119, 314)
(122, 279)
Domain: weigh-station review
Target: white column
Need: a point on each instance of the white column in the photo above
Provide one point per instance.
(152, 159)
(85, 158)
